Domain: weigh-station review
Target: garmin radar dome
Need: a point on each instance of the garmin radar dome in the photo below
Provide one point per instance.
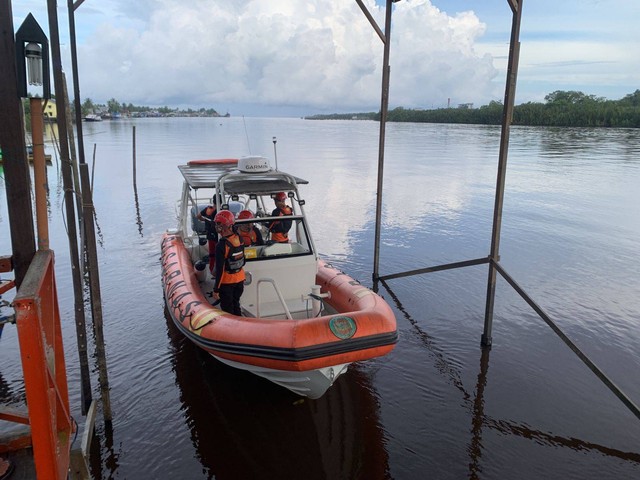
(254, 164)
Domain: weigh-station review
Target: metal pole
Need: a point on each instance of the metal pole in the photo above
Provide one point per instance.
(74, 169)
(586, 360)
(384, 105)
(39, 173)
(76, 81)
(14, 153)
(509, 95)
(275, 153)
(88, 227)
(65, 167)
(87, 223)
(81, 328)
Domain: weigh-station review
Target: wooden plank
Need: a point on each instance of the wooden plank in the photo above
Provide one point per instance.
(78, 468)
(89, 424)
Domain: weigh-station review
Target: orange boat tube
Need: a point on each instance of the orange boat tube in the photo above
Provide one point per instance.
(364, 328)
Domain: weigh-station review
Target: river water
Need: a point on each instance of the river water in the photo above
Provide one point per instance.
(436, 407)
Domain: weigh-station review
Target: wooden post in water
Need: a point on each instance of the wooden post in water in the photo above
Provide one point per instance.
(39, 172)
(134, 156)
(93, 166)
(509, 96)
(65, 167)
(135, 185)
(14, 153)
(94, 288)
(81, 334)
(88, 229)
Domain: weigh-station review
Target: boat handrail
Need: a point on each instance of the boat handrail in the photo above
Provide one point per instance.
(280, 297)
(270, 218)
(235, 175)
(291, 180)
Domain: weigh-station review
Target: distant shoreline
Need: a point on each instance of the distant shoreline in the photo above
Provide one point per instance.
(562, 109)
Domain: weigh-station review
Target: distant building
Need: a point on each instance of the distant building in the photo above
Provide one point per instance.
(50, 111)
(465, 106)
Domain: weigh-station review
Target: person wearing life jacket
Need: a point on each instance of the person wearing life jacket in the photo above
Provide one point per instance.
(206, 215)
(249, 233)
(280, 228)
(229, 276)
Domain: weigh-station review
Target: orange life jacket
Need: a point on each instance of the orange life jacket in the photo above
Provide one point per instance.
(234, 260)
(280, 237)
(248, 238)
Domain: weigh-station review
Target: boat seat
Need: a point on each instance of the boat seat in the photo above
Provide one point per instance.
(197, 225)
(294, 277)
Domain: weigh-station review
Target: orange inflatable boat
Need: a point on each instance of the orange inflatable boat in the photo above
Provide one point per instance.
(303, 320)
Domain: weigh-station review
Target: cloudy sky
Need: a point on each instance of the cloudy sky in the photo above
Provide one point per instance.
(300, 57)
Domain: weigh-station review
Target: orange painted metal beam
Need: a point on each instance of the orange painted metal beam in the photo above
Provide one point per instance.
(43, 366)
(16, 442)
(15, 416)
(6, 263)
(6, 285)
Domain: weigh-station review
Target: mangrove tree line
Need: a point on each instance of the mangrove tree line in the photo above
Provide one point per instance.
(560, 109)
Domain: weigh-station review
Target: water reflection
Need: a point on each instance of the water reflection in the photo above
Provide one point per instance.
(104, 462)
(475, 447)
(232, 416)
(6, 392)
(480, 421)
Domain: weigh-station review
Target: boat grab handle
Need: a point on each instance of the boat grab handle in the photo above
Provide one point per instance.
(280, 297)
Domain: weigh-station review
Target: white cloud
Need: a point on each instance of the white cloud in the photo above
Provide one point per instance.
(322, 55)
(314, 53)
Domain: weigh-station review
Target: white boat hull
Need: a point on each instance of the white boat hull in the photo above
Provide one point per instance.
(312, 383)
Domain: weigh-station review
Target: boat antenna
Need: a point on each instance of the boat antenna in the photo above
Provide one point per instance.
(246, 134)
(275, 153)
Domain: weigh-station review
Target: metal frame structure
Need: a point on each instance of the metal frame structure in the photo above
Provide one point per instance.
(493, 259)
(43, 366)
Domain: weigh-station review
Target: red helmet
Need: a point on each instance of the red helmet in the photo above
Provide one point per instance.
(281, 196)
(245, 214)
(225, 217)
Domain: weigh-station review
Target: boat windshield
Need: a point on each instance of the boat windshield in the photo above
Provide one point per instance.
(295, 243)
(270, 241)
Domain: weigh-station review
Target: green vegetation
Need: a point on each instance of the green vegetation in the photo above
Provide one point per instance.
(561, 109)
(113, 107)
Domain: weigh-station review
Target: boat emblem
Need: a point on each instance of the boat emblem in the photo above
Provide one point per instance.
(343, 327)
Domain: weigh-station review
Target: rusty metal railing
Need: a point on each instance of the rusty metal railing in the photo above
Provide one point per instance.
(43, 366)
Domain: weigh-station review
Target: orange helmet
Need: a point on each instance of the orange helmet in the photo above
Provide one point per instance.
(225, 217)
(245, 214)
(281, 196)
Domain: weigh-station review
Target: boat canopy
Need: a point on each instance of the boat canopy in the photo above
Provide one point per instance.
(236, 182)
